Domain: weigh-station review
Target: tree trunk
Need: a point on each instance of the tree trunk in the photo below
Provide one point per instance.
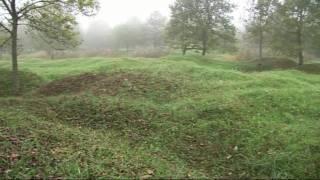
(260, 43)
(52, 53)
(184, 50)
(204, 47)
(301, 57)
(14, 57)
(260, 35)
(204, 42)
(300, 46)
(300, 39)
(127, 49)
(204, 51)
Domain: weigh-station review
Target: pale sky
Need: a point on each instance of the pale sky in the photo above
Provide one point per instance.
(114, 12)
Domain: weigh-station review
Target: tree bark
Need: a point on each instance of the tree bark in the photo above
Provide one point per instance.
(204, 43)
(300, 53)
(300, 40)
(207, 27)
(127, 49)
(260, 43)
(14, 57)
(184, 50)
(14, 50)
(204, 51)
(260, 35)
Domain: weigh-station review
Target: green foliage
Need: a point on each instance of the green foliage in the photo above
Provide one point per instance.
(180, 30)
(260, 22)
(294, 27)
(200, 24)
(51, 17)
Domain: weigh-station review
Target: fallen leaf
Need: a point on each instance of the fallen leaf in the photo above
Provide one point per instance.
(229, 157)
(145, 177)
(150, 172)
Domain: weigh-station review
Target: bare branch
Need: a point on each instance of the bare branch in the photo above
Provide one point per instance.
(6, 6)
(5, 28)
(33, 6)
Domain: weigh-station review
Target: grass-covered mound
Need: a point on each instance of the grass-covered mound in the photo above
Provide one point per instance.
(178, 117)
(310, 68)
(271, 63)
(28, 81)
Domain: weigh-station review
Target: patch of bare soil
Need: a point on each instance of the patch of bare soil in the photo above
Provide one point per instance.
(109, 84)
(72, 84)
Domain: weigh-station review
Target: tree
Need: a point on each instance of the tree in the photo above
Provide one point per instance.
(39, 15)
(57, 37)
(155, 28)
(261, 17)
(181, 28)
(129, 35)
(198, 24)
(296, 24)
(213, 20)
(97, 36)
(67, 40)
(226, 41)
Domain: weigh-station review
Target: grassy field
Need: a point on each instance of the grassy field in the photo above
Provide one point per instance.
(174, 117)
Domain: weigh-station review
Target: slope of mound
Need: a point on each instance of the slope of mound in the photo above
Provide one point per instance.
(71, 84)
(139, 84)
(310, 68)
(28, 82)
(271, 63)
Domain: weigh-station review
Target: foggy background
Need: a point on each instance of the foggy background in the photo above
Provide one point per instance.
(115, 12)
(136, 28)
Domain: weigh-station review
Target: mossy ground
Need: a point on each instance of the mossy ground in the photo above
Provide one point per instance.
(174, 117)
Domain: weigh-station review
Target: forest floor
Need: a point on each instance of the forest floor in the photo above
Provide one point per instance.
(172, 117)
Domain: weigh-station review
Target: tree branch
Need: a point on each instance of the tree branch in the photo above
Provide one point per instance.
(6, 6)
(5, 28)
(33, 6)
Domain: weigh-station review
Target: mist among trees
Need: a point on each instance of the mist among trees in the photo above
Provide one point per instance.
(273, 28)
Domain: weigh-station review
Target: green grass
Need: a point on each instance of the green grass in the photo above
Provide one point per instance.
(174, 117)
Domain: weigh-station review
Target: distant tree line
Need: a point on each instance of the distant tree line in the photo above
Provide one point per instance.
(200, 25)
(289, 27)
(284, 27)
(127, 36)
(99, 36)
